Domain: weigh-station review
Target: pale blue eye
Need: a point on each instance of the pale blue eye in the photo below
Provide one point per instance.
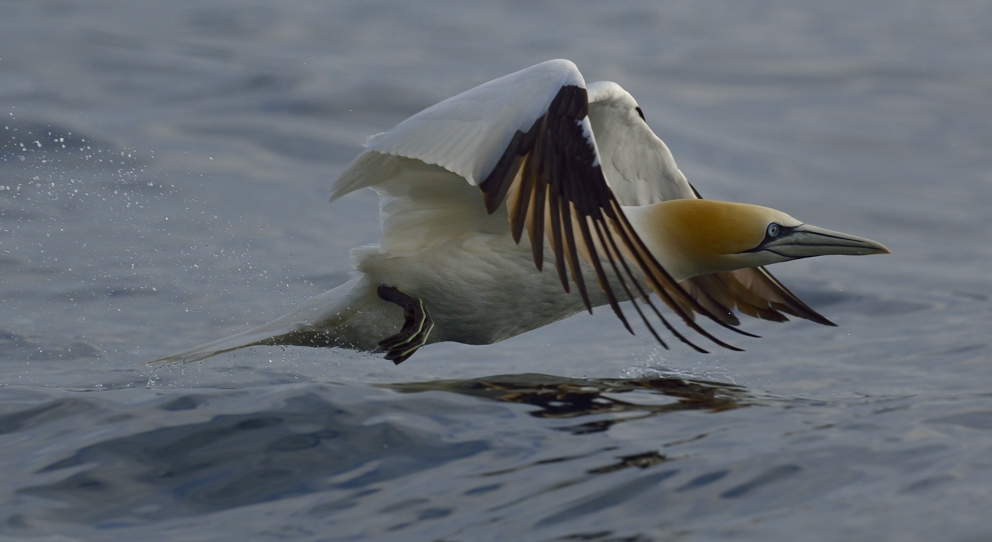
(773, 230)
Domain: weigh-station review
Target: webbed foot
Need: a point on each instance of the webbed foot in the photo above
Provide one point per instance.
(415, 330)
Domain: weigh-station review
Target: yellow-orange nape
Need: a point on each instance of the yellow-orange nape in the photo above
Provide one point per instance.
(694, 236)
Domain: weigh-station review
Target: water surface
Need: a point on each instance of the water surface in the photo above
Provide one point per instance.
(164, 173)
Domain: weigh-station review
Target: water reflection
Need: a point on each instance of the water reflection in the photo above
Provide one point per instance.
(641, 461)
(561, 397)
(314, 440)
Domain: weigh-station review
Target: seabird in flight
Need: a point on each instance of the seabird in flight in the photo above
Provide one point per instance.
(574, 166)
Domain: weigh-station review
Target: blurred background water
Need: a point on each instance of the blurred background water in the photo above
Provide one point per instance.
(164, 173)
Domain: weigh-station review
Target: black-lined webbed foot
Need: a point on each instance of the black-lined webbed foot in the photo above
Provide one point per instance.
(415, 330)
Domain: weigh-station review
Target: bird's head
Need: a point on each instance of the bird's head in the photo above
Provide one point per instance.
(696, 236)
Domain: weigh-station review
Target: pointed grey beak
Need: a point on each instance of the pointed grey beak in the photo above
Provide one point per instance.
(806, 241)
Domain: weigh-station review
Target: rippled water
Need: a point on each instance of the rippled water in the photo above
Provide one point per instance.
(164, 171)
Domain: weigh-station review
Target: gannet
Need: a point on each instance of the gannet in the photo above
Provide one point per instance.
(577, 168)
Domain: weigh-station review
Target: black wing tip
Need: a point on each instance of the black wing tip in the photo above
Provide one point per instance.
(745, 333)
(817, 318)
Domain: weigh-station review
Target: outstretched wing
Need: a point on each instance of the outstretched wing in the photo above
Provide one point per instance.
(552, 178)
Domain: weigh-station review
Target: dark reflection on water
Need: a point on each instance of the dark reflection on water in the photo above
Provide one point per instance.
(315, 442)
(524, 450)
(560, 397)
(642, 461)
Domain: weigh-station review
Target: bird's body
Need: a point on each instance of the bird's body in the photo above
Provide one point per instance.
(578, 169)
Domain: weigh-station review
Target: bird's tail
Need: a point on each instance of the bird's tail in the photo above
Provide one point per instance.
(327, 320)
(260, 335)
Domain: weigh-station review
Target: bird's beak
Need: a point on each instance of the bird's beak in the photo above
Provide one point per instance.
(806, 241)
